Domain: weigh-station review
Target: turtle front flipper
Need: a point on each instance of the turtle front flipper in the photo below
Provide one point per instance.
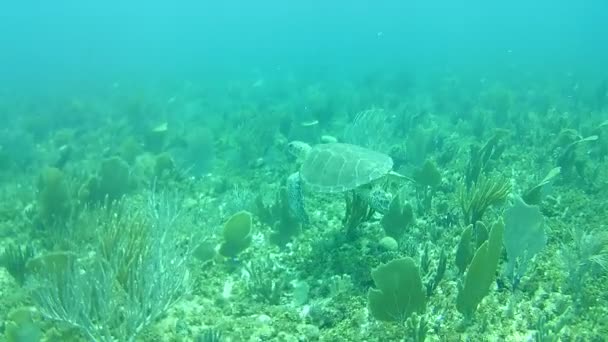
(295, 198)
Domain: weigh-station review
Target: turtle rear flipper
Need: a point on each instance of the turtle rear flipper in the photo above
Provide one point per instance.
(295, 198)
(378, 199)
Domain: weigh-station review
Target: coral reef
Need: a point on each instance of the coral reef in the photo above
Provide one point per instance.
(164, 214)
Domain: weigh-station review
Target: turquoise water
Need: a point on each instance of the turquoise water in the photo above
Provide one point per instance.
(303, 171)
(87, 41)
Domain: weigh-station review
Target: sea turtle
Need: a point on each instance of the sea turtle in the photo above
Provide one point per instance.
(335, 168)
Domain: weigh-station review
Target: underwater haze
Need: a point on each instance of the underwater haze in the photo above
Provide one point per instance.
(86, 41)
(226, 171)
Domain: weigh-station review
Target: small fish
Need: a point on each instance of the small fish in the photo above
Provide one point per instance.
(309, 123)
(258, 83)
(163, 127)
(65, 152)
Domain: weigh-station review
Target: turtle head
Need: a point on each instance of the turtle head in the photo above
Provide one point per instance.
(299, 149)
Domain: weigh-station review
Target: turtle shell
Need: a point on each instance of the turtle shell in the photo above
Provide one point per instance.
(338, 167)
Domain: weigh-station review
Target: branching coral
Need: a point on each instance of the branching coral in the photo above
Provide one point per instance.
(135, 272)
(481, 157)
(15, 258)
(481, 196)
(588, 256)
